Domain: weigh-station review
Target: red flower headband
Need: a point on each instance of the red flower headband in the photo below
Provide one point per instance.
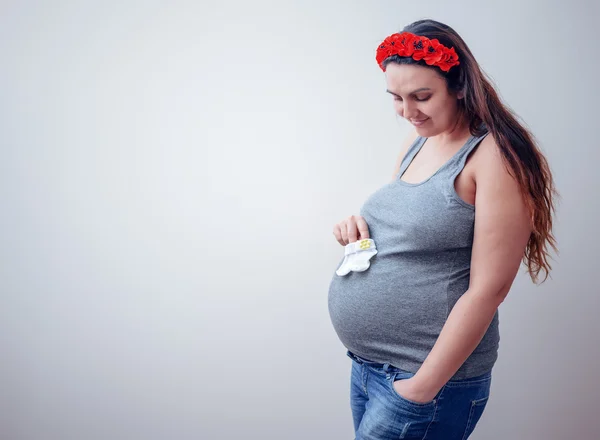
(419, 48)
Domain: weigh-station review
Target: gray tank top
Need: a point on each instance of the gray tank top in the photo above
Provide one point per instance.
(395, 310)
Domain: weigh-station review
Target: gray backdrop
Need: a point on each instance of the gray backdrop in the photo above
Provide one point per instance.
(170, 175)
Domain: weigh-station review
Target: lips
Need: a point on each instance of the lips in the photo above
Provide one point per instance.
(420, 122)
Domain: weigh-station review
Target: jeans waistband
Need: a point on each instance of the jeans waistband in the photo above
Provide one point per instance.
(388, 368)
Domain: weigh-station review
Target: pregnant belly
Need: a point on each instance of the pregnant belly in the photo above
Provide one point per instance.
(388, 304)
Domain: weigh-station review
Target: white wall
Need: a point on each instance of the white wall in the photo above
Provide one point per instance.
(170, 175)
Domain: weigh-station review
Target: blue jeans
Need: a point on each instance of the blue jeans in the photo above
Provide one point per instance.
(380, 413)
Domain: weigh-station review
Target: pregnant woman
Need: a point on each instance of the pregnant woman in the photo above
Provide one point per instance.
(471, 198)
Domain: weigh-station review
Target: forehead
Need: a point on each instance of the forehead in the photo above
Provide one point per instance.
(405, 78)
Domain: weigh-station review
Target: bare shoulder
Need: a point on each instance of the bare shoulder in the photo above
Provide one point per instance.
(408, 141)
(488, 164)
(496, 187)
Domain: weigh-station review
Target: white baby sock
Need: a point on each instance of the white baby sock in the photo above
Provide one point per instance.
(357, 256)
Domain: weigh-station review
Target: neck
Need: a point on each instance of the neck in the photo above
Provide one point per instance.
(456, 133)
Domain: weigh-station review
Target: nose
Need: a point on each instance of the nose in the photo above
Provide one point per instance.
(409, 110)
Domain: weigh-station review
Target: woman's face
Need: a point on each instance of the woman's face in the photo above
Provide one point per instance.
(421, 94)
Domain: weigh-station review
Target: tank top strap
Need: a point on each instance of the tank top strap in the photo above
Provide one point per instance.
(410, 154)
(456, 164)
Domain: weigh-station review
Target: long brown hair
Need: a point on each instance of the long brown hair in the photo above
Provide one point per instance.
(524, 160)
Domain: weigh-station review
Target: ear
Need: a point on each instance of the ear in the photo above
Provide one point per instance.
(461, 94)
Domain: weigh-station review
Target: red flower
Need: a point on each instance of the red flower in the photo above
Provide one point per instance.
(383, 51)
(434, 52)
(406, 40)
(449, 59)
(421, 45)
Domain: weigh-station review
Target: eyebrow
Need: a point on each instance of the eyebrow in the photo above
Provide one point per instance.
(422, 89)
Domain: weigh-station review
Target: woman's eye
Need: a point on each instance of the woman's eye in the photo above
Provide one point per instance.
(417, 99)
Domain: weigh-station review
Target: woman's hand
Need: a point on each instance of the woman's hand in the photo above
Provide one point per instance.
(410, 390)
(350, 230)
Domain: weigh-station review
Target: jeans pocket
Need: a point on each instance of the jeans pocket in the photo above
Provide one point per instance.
(477, 407)
(418, 407)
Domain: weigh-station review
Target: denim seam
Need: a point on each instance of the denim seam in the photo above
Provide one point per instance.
(434, 412)
(474, 403)
(364, 377)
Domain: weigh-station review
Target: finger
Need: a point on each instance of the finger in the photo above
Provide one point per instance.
(352, 231)
(363, 228)
(338, 234)
(344, 231)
